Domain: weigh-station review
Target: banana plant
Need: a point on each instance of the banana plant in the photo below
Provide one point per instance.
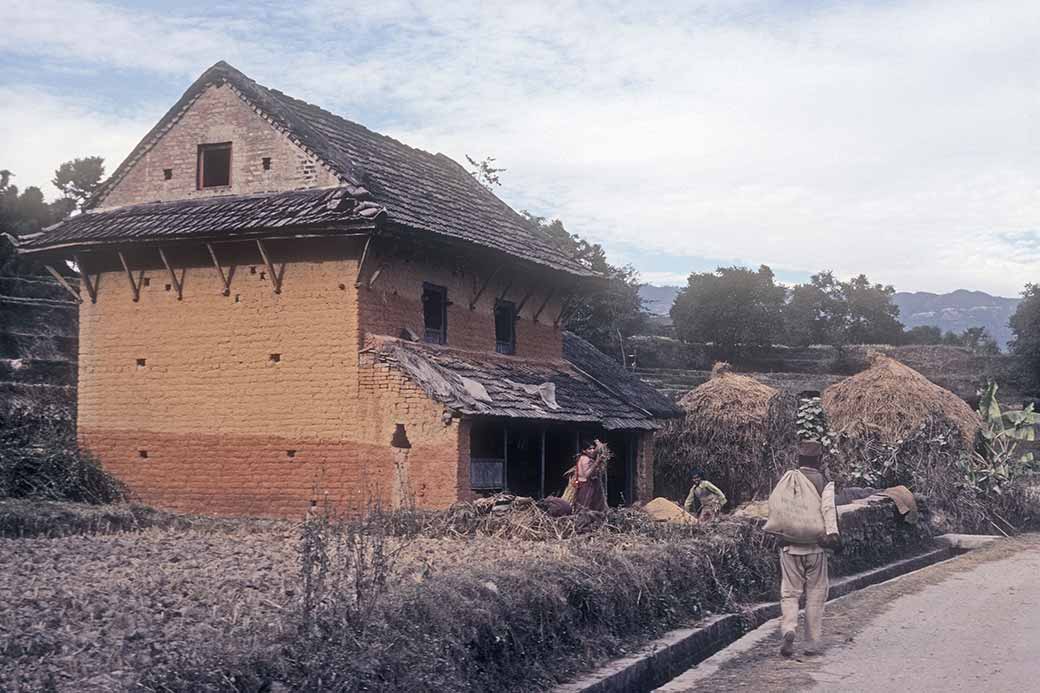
(1003, 427)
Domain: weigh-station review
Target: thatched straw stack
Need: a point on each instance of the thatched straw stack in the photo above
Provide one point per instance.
(739, 431)
(889, 401)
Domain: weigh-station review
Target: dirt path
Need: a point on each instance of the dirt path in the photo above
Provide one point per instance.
(969, 624)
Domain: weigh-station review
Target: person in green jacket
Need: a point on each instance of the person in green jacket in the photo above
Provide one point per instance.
(705, 498)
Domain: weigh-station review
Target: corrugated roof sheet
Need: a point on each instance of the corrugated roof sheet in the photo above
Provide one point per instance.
(418, 190)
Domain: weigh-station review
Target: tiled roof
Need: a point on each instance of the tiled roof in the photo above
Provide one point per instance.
(606, 370)
(420, 192)
(484, 384)
(212, 218)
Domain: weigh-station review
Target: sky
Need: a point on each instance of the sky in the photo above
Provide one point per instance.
(896, 139)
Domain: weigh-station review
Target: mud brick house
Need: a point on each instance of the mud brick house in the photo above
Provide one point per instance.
(279, 305)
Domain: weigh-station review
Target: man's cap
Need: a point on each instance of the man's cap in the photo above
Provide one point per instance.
(809, 448)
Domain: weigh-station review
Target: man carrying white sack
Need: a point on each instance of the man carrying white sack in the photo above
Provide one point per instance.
(803, 561)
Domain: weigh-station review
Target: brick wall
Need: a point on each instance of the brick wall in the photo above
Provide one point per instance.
(219, 115)
(395, 302)
(211, 423)
(426, 452)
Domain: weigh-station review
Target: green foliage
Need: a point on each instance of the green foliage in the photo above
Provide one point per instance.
(605, 314)
(732, 307)
(997, 464)
(25, 211)
(1025, 326)
(923, 334)
(829, 311)
(78, 179)
(976, 339)
(811, 421)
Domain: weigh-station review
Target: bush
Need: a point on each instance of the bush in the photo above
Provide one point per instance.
(39, 458)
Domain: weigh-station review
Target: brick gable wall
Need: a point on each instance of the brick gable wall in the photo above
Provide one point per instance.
(219, 115)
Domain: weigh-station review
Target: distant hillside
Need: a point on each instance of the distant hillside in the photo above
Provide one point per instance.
(658, 299)
(957, 311)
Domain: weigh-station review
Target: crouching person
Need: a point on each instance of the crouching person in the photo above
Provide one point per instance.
(803, 566)
(705, 499)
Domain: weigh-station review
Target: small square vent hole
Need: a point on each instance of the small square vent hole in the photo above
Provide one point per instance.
(275, 358)
(143, 454)
(141, 363)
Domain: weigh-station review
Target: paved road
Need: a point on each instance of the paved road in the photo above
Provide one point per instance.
(969, 624)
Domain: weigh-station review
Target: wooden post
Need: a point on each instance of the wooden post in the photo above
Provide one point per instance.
(276, 278)
(61, 280)
(505, 455)
(178, 284)
(542, 476)
(134, 286)
(225, 279)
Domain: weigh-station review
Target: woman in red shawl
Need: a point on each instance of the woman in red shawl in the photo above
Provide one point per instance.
(587, 480)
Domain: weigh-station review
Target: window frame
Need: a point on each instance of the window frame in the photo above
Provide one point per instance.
(435, 336)
(506, 347)
(200, 166)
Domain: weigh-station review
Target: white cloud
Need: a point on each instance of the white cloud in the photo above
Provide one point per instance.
(897, 139)
(43, 129)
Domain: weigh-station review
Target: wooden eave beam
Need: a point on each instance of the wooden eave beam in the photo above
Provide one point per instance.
(361, 264)
(135, 286)
(90, 286)
(64, 283)
(483, 288)
(548, 297)
(178, 284)
(565, 305)
(224, 278)
(276, 277)
(505, 291)
(523, 302)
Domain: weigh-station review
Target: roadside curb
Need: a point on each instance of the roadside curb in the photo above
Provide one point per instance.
(665, 658)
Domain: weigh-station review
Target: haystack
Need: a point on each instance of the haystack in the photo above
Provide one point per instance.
(889, 402)
(738, 430)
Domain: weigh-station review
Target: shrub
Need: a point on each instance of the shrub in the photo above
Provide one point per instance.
(39, 458)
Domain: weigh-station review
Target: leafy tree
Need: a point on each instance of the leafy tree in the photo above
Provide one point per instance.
(606, 314)
(26, 211)
(78, 179)
(1025, 326)
(732, 307)
(923, 334)
(979, 341)
(829, 311)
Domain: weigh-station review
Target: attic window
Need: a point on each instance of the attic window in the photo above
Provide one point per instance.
(505, 327)
(435, 313)
(214, 165)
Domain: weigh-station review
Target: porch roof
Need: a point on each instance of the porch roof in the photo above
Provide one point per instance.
(485, 384)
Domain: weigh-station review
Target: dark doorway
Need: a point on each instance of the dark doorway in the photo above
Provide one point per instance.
(561, 446)
(621, 468)
(524, 460)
